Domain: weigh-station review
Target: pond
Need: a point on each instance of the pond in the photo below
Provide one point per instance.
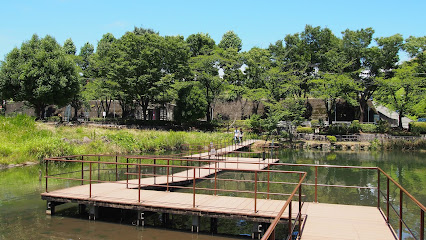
(23, 212)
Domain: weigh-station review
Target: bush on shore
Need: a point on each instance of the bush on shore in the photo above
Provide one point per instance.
(23, 139)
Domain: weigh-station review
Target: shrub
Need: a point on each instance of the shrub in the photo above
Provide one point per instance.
(255, 123)
(354, 127)
(54, 119)
(368, 128)
(383, 126)
(315, 123)
(338, 129)
(301, 129)
(417, 127)
(332, 139)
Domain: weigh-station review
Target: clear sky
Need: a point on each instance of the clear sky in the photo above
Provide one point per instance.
(258, 23)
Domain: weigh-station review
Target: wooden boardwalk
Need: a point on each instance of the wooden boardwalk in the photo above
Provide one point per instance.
(108, 194)
(321, 221)
(341, 222)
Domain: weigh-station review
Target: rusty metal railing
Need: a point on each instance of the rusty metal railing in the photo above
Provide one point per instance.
(399, 212)
(167, 185)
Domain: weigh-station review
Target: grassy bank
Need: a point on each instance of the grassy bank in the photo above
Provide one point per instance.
(22, 139)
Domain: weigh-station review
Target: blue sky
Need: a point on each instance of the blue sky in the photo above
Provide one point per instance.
(258, 23)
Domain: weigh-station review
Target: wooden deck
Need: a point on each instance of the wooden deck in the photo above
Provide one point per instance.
(344, 222)
(111, 194)
(321, 221)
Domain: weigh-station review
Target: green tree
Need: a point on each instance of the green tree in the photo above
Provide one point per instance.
(190, 103)
(40, 73)
(86, 51)
(416, 48)
(205, 70)
(230, 40)
(69, 47)
(146, 65)
(330, 87)
(401, 92)
(200, 44)
(286, 113)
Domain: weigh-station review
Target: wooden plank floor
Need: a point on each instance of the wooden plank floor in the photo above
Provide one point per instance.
(117, 193)
(344, 222)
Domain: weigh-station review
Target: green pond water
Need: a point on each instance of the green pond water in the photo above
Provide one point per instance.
(22, 212)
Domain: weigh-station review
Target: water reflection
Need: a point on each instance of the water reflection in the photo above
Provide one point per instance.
(22, 212)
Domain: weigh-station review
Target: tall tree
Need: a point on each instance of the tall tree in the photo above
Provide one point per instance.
(401, 92)
(40, 73)
(147, 64)
(416, 48)
(205, 70)
(231, 40)
(69, 47)
(200, 44)
(355, 47)
(86, 51)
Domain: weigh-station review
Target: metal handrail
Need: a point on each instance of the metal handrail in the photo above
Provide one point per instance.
(139, 174)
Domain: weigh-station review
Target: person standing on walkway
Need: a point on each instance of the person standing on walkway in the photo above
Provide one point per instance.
(236, 135)
(241, 135)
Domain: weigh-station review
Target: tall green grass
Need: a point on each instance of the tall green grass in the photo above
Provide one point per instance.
(22, 139)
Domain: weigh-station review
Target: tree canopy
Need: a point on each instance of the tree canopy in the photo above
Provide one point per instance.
(40, 73)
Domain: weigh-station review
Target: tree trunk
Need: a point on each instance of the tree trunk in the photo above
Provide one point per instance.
(39, 110)
(208, 115)
(400, 120)
(362, 107)
(144, 104)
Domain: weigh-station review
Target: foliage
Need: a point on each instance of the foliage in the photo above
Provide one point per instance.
(40, 73)
(383, 126)
(332, 139)
(255, 123)
(401, 92)
(287, 114)
(301, 129)
(368, 128)
(69, 47)
(230, 40)
(190, 102)
(418, 127)
(315, 123)
(338, 129)
(354, 127)
(23, 140)
(200, 44)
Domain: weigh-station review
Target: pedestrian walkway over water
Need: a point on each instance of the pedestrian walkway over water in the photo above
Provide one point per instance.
(196, 184)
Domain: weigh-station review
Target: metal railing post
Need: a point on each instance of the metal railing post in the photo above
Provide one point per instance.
(127, 173)
(387, 200)
(300, 203)
(215, 178)
(139, 183)
(47, 173)
(422, 224)
(82, 171)
(267, 195)
(316, 184)
(116, 168)
(255, 191)
(168, 161)
(290, 230)
(155, 172)
(193, 190)
(400, 212)
(90, 180)
(378, 188)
